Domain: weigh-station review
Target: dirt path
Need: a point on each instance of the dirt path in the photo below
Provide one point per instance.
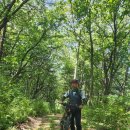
(49, 122)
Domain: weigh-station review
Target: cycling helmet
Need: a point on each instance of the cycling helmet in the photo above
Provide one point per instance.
(75, 81)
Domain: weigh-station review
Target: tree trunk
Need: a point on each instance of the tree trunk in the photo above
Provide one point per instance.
(91, 55)
(77, 62)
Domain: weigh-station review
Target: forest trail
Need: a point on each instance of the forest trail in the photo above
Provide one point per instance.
(49, 122)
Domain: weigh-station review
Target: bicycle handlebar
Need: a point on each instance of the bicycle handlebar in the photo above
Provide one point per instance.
(69, 105)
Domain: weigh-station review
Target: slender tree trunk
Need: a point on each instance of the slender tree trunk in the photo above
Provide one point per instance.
(77, 62)
(125, 82)
(111, 68)
(3, 37)
(91, 55)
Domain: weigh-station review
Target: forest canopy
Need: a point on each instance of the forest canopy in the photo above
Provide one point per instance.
(44, 44)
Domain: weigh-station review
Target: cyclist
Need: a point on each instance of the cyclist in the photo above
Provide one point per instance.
(76, 98)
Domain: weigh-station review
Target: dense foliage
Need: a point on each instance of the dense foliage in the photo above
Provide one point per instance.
(45, 43)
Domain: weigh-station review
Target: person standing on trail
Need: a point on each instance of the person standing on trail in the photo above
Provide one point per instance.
(76, 98)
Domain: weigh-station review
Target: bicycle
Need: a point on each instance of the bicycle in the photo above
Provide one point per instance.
(66, 119)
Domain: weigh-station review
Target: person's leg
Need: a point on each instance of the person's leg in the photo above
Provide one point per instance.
(78, 119)
(72, 122)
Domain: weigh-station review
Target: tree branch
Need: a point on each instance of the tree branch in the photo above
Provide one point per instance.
(6, 19)
(24, 56)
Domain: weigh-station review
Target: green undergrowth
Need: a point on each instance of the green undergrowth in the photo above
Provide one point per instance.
(19, 110)
(111, 115)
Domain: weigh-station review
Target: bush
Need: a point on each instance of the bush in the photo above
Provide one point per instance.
(20, 109)
(5, 120)
(110, 115)
(17, 111)
(40, 108)
(15, 107)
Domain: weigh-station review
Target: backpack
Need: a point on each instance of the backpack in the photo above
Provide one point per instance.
(75, 97)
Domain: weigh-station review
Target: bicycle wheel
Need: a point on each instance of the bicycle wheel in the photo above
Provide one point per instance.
(62, 124)
(67, 123)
